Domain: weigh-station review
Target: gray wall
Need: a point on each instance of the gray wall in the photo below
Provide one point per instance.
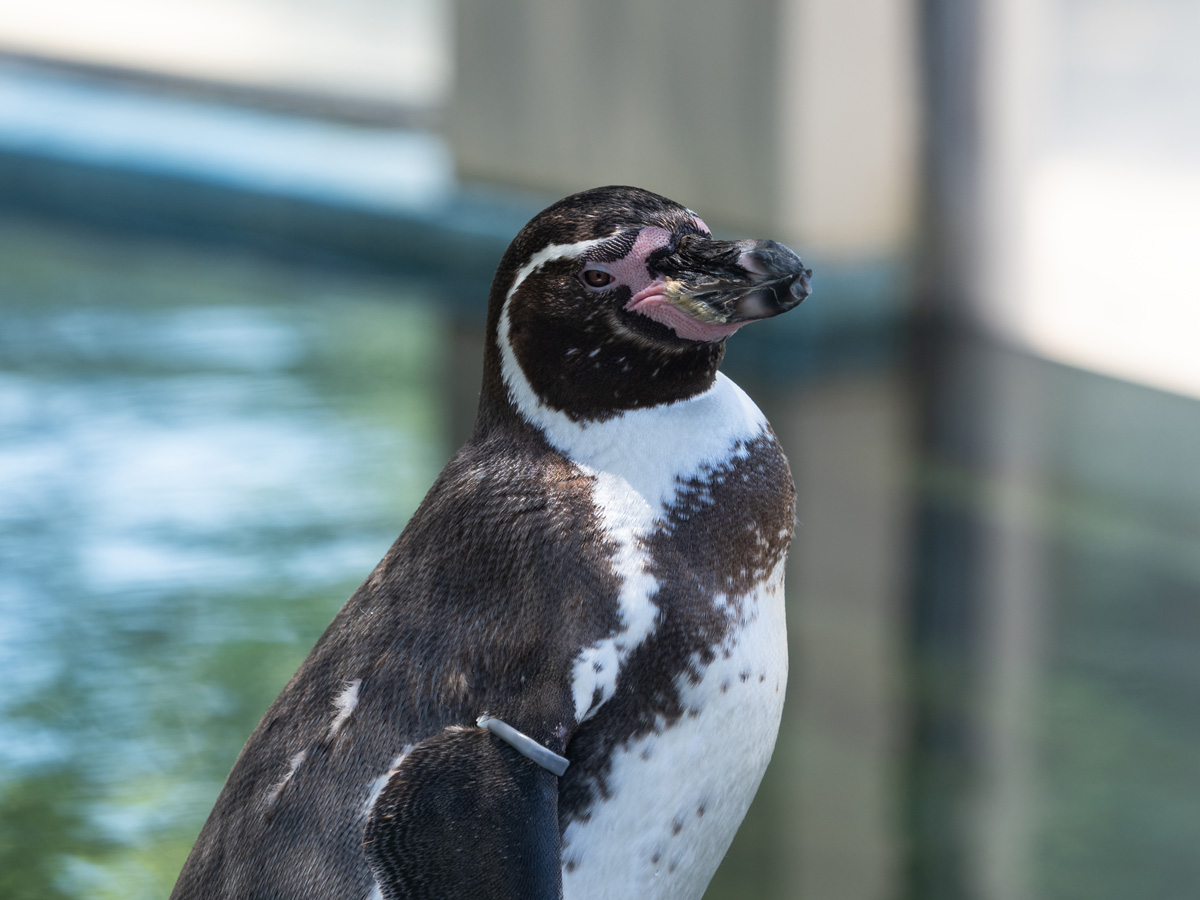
(796, 119)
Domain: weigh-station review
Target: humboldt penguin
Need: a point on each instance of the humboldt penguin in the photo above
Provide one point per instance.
(565, 678)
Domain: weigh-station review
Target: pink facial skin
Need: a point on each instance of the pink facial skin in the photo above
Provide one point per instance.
(652, 303)
(648, 298)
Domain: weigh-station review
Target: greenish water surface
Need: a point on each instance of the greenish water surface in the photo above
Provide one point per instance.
(201, 458)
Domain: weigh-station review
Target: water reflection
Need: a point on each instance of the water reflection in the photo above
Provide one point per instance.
(994, 593)
(1057, 616)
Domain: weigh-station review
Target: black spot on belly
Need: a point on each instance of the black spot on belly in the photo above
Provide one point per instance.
(721, 538)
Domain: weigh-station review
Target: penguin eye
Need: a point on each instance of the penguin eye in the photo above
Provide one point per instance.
(596, 278)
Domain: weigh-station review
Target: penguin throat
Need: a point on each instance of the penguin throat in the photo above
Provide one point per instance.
(593, 372)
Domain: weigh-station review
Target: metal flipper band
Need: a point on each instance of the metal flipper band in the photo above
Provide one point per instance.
(525, 745)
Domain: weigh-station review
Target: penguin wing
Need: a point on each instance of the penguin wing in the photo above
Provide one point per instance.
(465, 815)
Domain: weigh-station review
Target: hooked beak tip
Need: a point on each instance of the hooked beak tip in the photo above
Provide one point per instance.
(733, 282)
(802, 286)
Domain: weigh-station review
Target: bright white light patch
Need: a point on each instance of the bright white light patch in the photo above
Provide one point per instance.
(1110, 252)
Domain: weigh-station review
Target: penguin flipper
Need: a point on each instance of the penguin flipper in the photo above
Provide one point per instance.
(466, 816)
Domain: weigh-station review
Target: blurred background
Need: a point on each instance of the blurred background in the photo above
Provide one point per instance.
(244, 257)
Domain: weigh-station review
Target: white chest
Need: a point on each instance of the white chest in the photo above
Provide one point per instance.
(678, 794)
(674, 797)
(640, 461)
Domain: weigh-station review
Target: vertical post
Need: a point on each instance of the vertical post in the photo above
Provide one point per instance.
(850, 442)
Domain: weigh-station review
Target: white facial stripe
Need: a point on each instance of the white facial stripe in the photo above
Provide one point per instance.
(520, 391)
(551, 253)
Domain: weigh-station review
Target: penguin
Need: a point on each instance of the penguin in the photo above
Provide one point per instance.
(565, 677)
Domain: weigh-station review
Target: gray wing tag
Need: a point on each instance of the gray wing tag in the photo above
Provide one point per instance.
(525, 745)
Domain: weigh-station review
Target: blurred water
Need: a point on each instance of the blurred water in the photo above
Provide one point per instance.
(200, 458)
(994, 595)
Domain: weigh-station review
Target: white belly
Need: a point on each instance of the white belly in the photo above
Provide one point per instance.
(678, 794)
(672, 799)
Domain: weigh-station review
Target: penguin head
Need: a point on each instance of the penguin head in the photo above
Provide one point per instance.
(617, 298)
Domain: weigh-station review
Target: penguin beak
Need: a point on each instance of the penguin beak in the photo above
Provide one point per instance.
(730, 282)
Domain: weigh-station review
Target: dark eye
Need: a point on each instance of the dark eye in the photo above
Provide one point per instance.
(597, 278)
